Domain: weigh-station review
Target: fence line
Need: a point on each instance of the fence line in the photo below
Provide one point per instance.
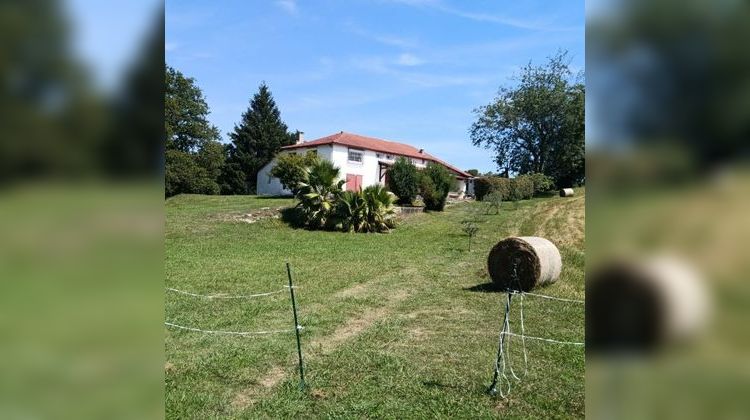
(549, 340)
(516, 292)
(244, 333)
(225, 297)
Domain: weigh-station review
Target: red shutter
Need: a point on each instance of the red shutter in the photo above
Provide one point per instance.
(353, 182)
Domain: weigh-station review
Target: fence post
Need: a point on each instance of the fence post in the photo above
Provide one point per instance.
(492, 390)
(296, 328)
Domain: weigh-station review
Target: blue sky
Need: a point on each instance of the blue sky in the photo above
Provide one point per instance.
(404, 70)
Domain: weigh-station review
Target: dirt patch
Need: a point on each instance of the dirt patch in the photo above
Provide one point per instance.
(354, 327)
(253, 216)
(359, 289)
(247, 397)
(168, 367)
(321, 346)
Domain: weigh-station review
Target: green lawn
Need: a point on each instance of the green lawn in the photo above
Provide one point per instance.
(392, 326)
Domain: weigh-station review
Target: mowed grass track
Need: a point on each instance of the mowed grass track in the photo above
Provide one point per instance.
(394, 327)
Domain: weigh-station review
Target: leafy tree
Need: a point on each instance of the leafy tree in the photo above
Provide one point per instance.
(186, 114)
(183, 175)
(258, 138)
(189, 137)
(435, 183)
(473, 172)
(291, 169)
(403, 180)
(538, 125)
(542, 183)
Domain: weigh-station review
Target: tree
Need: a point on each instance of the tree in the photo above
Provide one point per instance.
(435, 183)
(291, 169)
(194, 157)
(183, 175)
(186, 114)
(258, 138)
(473, 172)
(403, 180)
(538, 125)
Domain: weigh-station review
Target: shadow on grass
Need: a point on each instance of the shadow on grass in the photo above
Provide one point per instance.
(440, 385)
(292, 216)
(485, 288)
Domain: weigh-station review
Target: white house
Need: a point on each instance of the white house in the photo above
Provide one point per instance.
(363, 161)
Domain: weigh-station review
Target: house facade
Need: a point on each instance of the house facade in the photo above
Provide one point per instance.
(363, 161)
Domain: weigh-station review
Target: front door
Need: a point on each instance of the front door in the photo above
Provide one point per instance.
(353, 182)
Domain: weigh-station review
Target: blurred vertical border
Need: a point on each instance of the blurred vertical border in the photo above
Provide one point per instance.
(81, 209)
(668, 205)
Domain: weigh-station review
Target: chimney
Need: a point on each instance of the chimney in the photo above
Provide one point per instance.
(421, 151)
(300, 136)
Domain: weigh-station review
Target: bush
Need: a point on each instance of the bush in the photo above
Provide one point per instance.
(318, 193)
(487, 184)
(521, 188)
(369, 210)
(494, 199)
(183, 175)
(291, 169)
(435, 183)
(403, 180)
(542, 183)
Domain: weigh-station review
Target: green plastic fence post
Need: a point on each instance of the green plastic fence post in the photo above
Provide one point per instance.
(296, 329)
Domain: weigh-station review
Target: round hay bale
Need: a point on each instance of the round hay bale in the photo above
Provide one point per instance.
(566, 192)
(641, 305)
(523, 263)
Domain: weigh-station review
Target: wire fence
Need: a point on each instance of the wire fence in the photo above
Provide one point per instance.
(504, 372)
(297, 328)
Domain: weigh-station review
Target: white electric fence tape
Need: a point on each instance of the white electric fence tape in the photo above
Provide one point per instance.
(226, 297)
(245, 333)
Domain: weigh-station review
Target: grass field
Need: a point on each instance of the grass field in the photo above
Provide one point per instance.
(394, 325)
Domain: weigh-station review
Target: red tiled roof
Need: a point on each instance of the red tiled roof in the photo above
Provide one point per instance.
(378, 145)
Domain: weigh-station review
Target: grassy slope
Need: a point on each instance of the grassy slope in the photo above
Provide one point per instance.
(392, 329)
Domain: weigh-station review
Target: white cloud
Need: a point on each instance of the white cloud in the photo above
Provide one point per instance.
(289, 6)
(537, 24)
(386, 39)
(409, 60)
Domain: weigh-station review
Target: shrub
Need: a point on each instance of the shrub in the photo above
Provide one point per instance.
(487, 184)
(436, 181)
(317, 194)
(369, 210)
(482, 187)
(291, 169)
(521, 188)
(184, 175)
(542, 183)
(403, 180)
(380, 211)
(494, 199)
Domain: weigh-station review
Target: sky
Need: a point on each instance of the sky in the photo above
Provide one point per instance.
(411, 71)
(109, 35)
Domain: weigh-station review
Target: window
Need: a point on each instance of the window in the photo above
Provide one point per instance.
(389, 157)
(379, 155)
(355, 156)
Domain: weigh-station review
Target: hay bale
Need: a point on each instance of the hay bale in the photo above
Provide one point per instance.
(536, 262)
(566, 192)
(641, 305)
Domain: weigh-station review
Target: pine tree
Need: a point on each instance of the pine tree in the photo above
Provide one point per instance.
(257, 139)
